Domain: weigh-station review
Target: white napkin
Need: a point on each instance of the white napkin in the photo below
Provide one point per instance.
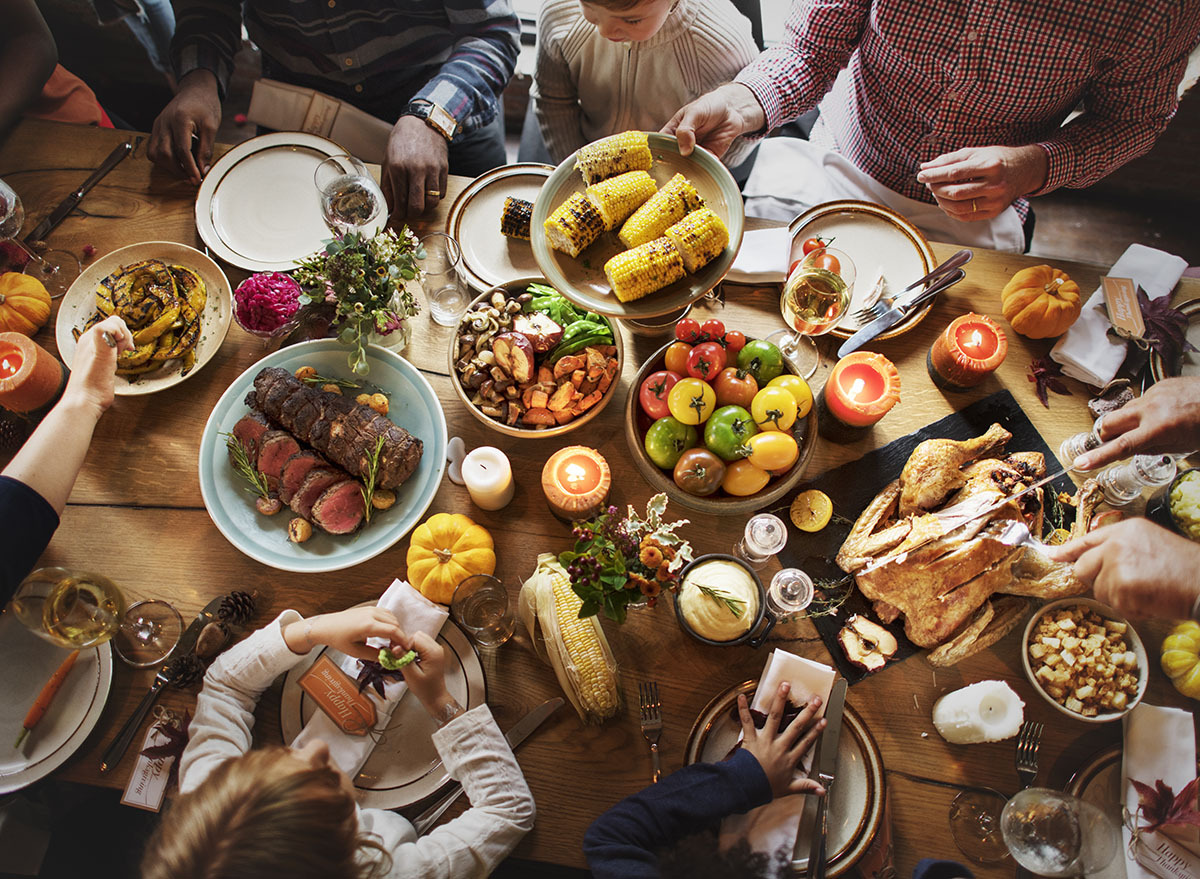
(762, 258)
(1160, 743)
(416, 613)
(1087, 352)
(775, 825)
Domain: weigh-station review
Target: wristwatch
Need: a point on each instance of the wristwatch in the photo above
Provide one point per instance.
(435, 116)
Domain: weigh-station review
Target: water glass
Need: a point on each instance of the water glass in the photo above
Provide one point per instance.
(765, 536)
(441, 278)
(1056, 834)
(480, 605)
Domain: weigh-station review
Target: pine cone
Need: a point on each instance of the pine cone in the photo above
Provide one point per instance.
(236, 608)
(13, 432)
(185, 670)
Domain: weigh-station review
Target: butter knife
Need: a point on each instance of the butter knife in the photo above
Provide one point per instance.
(826, 773)
(68, 204)
(186, 645)
(898, 312)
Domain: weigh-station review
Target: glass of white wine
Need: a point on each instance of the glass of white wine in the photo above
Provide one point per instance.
(56, 269)
(351, 200)
(815, 296)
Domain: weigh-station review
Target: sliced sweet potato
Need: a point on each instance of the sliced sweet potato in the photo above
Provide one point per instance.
(538, 416)
(561, 399)
(567, 365)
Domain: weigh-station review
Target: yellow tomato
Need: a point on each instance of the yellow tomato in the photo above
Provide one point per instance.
(743, 478)
(691, 400)
(772, 450)
(798, 388)
(774, 408)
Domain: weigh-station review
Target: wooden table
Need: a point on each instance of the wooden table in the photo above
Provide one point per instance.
(136, 514)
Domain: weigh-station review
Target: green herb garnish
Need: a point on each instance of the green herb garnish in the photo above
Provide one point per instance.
(368, 486)
(241, 463)
(392, 662)
(735, 605)
(325, 380)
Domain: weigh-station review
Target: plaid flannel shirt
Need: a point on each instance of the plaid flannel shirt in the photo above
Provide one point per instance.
(931, 77)
(458, 54)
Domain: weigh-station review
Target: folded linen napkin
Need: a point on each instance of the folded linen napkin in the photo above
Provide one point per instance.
(416, 613)
(1087, 352)
(775, 825)
(762, 258)
(1160, 743)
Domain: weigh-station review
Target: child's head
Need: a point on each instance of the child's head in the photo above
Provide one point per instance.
(627, 20)
(271, 812)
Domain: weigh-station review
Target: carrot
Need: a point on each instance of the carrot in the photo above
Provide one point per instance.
(42, 702)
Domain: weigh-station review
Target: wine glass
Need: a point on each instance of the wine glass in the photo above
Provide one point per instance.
(351, 200)
(56, 269)
(815, 296)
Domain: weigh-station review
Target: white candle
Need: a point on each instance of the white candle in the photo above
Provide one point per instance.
(984, 712)
(488, 476)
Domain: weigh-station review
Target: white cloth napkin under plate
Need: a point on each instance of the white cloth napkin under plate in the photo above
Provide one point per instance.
(762, 258)
(416, 613)
(1087, 352)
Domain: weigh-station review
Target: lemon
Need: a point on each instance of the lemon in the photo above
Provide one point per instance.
(1058, 537)
(811, 510)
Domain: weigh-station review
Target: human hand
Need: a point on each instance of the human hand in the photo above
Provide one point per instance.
(715, 119)
(978, 183)
(1137, 568)
(194, 112)
(779, 752)
(94, 366)
(1164, 419)
(415, 170)
(347, 631)
(427, 677)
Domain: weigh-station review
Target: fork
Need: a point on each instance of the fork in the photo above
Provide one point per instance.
(651, 709)
(1028, 741)
(884, 303)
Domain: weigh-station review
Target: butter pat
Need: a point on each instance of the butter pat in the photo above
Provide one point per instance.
(988, 711)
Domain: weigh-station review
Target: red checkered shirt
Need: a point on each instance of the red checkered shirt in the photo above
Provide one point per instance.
(926, 78)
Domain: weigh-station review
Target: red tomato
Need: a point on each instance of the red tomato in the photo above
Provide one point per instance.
(677, 357)
(653, 393)
(792, 267)
(826, 260)
(706, 360)
(688, 330)
(735, 387)
(815, 244)
(712, 329)
(735, 341)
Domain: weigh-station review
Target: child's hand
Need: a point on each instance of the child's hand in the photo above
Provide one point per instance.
(95, 363)
(779, 754)
(427, 677)
(346, 631)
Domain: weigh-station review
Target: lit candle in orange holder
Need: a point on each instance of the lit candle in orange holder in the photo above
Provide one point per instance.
(862, 388)
(30, 376)
(576, 481)
(970, 349)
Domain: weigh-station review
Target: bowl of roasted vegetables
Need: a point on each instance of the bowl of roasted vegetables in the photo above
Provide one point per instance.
(629, 228)
(528, 362)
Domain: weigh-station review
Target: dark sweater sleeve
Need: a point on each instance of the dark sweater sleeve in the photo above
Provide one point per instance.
(27, 522)
(625, 840)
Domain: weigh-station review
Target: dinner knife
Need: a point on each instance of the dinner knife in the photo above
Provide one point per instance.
(186, 646)
(899, 311)
(826, 772)
(68, 204)
(520, 731)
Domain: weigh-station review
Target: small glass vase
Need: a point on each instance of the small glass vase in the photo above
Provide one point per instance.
(397, 340)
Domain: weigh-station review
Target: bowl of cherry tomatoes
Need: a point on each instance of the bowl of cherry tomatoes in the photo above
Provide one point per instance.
(719, 421)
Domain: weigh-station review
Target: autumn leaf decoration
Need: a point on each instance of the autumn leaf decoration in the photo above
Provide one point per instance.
(176, 732)
(1047, 376)
(374, 675)
(1166, 327)
(1161, 807)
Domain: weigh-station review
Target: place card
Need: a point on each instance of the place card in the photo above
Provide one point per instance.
(338, 696)
(148, 782)
(1120, 295)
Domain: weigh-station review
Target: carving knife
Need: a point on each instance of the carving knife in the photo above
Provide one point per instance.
(186, 646)
(520, 731)
(826, 773)
(898, 312)
(68, 204)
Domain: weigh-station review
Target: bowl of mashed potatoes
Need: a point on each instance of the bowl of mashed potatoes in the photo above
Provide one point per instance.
(721, 601)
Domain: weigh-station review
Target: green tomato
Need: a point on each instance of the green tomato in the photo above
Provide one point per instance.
(667, 439)
(727, 431)
(761, 359)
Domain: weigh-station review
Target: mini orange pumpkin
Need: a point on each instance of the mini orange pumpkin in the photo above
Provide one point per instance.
(24, 304)
(1040, 302)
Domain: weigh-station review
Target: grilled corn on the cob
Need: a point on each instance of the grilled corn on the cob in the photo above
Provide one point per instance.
(616, 154)
(618, 197)
(574, 225)
(648, 267)
(667, 206)
(699, 236)
(515, 218)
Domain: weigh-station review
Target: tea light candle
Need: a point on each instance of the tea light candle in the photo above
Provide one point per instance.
(576, 480)
(970, 349)
(488, 477)
(30, 376)
(862, 388)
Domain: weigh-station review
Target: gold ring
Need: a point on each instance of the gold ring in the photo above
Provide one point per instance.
(435, 193)
(974, 207)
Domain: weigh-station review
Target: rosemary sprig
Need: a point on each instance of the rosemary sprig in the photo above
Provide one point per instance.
(326, 380)
(830, 601)
(368, 486)
(735, 605)
(241, 463)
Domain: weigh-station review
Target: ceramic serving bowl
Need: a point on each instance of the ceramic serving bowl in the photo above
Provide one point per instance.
(1131, 639)
(1160, 509)
(764, 620)
(514, 289)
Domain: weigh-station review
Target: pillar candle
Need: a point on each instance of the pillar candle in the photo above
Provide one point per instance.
(488, 477)
(576, 480)
(863, 387)
(970, 349)
(987, 711)
(30, 376)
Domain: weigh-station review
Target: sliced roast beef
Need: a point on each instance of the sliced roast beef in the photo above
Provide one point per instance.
(313, 486)
(274, 448)
(340, 509)
(249, 431)
(294, 470)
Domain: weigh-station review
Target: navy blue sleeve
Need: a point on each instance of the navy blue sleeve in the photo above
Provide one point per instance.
(27, 522)
(928, 868)
(625, 840)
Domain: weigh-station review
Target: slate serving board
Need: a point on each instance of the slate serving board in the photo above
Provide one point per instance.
(854, 485)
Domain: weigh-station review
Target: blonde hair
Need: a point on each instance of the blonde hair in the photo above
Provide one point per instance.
(253, 817)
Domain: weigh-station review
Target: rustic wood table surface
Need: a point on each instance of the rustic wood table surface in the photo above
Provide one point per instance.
(136, 515)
